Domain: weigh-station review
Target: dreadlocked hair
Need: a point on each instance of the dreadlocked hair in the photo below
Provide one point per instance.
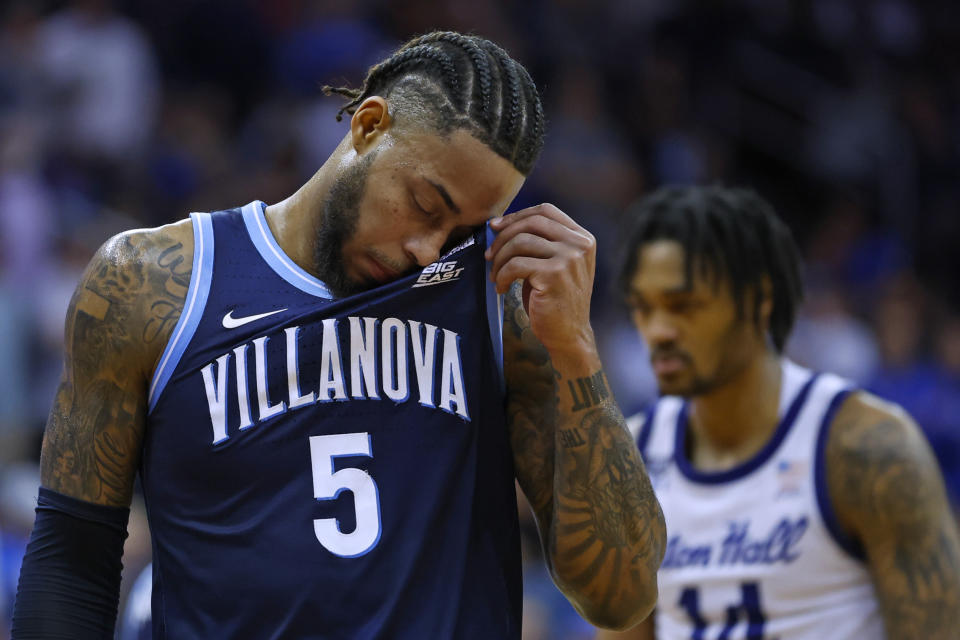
(725, 233)
(451, 81)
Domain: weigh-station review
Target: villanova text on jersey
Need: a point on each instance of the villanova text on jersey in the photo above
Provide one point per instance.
(373, 373)
(317, 467)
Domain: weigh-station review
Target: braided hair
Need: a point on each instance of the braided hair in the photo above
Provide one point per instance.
(725, 233)
(450, 81)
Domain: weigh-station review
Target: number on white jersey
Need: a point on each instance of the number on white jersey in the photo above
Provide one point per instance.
(749, 605)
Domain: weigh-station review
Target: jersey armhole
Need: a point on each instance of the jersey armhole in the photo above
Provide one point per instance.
(643, 435)
(494, 304)
(196, 300)
(827, 513)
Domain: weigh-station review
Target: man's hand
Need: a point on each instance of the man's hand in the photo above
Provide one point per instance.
(600, 523)
(555, 258)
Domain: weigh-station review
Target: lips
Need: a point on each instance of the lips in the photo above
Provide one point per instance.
(381, 272)
(667, 365)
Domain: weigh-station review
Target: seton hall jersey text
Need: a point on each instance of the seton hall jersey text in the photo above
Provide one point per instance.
(754, 551)
(370, 362)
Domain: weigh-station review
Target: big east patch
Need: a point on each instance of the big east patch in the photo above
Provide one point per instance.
(437, 273)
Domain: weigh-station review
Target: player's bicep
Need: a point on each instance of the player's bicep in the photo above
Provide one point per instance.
(888, 489)
(531, 404)
(92, 442)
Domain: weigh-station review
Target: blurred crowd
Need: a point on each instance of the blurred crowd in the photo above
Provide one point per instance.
(845, 114)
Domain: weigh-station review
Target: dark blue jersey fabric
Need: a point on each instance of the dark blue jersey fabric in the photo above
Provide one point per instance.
(317, 467)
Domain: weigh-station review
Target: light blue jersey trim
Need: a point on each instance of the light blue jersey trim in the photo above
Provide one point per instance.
(197, 294)
(274, 256)
(495, 313)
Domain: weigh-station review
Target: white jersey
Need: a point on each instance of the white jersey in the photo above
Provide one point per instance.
(755, 552)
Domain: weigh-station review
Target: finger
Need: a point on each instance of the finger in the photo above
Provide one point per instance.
(542, 226)
(545, 209)
(533, 271)
(537, 226)
(523, 244)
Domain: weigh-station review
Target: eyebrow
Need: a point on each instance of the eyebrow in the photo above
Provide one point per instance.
(669, 292)
(443, 194)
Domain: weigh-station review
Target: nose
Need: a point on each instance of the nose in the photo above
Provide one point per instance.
(424, 247)
(657, 328)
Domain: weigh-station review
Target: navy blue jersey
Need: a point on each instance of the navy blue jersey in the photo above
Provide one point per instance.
(321, 467)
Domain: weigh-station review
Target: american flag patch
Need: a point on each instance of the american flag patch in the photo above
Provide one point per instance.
(790, 476)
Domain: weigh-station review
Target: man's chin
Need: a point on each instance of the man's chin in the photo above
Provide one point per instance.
(686, 388)
(347, 289)
(349, 286)
(675, 386)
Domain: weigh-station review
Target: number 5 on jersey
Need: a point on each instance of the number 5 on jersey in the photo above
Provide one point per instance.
(327, 485)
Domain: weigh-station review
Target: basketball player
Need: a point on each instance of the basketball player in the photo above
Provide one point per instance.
(797, 507)
(312, 394)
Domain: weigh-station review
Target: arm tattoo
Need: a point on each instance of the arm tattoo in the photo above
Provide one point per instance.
(570, 438)
(120, 316)
(531, 404)
(884, 479)
(165, 311)
(172, 260)
(606, 503)
(577, 463)
(588, 392)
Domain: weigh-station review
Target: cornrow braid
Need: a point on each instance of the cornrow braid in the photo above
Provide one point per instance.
(512, 121)
(421, 55)
(452, 81)
(481, 87)
(353, 94)
(728, 234)
(535, 107)
(532, 109)
(482, 81)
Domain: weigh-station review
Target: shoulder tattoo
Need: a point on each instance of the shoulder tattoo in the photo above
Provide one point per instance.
(887, 488)
(121, 314)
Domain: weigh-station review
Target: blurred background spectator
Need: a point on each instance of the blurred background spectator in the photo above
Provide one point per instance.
(845, 114)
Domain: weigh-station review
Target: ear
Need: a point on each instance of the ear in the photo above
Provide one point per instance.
(370, 119)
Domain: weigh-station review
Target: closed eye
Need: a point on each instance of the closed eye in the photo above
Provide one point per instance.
(419, 207)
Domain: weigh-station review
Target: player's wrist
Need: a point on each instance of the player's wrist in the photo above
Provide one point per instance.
(576, 356)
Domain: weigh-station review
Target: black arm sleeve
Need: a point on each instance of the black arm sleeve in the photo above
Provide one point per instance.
(70, 578)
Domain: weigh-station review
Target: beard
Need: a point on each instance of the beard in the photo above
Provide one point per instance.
(694, 384)
(341, 211)
(733, 345)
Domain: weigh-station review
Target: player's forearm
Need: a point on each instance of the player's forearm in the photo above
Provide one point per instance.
(607, 535)
(70, 576)
(599, 520)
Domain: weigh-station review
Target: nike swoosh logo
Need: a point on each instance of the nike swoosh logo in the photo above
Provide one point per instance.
(229, 322)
